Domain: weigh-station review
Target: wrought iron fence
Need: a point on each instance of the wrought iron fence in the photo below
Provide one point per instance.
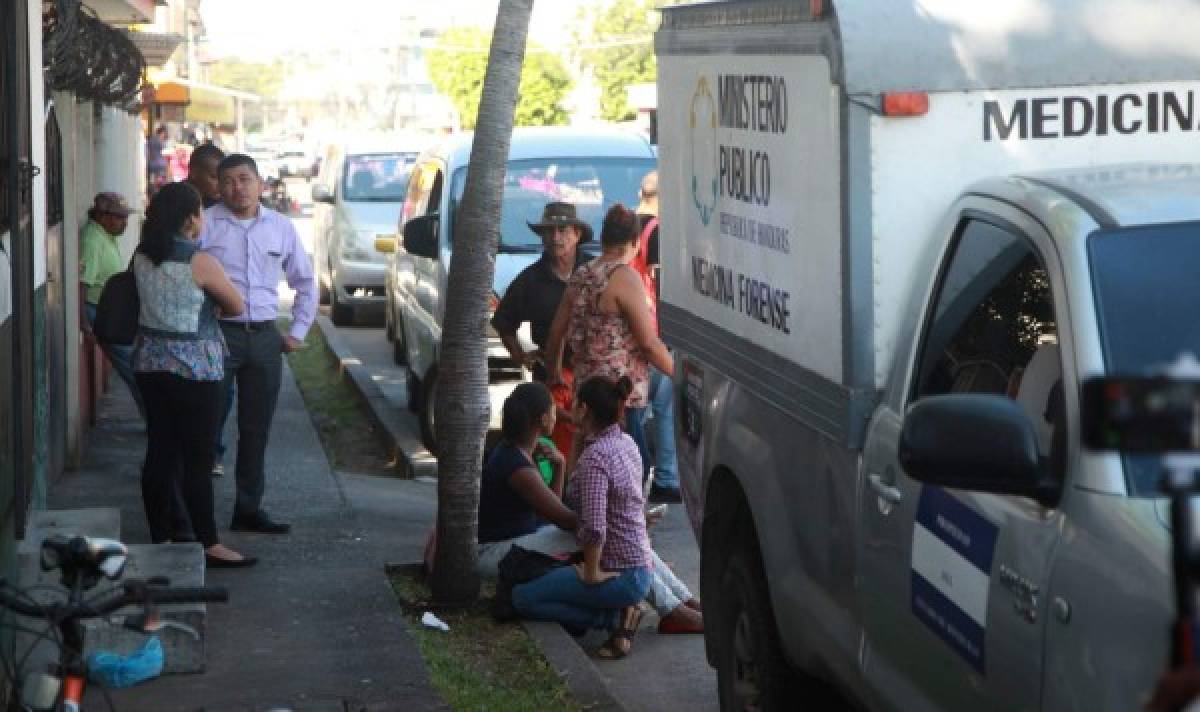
(85, 56)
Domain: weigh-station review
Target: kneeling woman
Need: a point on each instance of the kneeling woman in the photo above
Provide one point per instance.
(605, 491)
(516, 502)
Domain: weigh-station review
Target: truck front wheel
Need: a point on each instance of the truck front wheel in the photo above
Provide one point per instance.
(751, 671)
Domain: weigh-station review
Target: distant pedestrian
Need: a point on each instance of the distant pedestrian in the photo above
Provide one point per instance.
(156, 162)
(662, 391)
(99, 259)
(257, 246)
(179, 357)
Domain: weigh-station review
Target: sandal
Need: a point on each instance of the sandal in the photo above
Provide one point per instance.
(612, 649)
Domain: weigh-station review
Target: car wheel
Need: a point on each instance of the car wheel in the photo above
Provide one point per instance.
(389, 332)
(322, 291)
(342, 314)
(751, 672)
(400, 349)
(425, 415)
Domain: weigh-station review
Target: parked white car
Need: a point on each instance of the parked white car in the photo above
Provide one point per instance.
(357, 197)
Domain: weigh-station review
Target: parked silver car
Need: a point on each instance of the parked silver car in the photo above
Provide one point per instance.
(358, 195)
(592, 168)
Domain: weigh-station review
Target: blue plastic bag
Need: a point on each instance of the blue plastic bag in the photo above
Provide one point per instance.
(112, 670)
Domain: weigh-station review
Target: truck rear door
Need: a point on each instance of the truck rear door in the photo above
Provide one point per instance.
(952, 582)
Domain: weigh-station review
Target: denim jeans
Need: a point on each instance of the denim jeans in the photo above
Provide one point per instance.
(561, 596)
(121, 358)
(635, 425)
(662, 404)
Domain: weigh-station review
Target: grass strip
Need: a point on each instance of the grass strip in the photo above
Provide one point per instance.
(347, 433)
(480, 664)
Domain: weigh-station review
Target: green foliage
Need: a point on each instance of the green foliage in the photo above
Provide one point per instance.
(257, 77)
(457, 65)
(628, 25)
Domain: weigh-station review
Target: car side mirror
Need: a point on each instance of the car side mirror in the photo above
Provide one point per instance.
(321, 194)
(385, 243)
(983, 443)
(421, 236)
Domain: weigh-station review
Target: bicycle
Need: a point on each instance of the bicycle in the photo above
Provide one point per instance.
(83, 563)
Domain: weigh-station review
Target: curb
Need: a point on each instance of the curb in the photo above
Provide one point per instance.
(397, 428)
(587, 686)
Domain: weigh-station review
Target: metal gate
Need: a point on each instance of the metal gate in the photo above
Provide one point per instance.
(56, 306)
(16, 334)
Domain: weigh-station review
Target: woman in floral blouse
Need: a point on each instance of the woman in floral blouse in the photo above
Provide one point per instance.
(178, 359)
(607, 320)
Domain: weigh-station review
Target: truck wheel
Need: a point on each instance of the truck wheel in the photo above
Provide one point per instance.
(426, 414)
(413, 386)
(751, 671)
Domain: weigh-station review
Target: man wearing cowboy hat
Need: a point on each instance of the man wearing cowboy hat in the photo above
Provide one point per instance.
(534, 295)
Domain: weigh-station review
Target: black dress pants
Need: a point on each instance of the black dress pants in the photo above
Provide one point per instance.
(181, 419)
(255, 363)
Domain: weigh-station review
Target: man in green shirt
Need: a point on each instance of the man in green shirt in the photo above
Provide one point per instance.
(99, 259)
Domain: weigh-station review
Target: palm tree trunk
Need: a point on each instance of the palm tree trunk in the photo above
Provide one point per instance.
(462, 406)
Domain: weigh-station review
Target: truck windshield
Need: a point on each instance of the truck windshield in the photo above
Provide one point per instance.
(1147, 294)
(591, 184)
(377, 177)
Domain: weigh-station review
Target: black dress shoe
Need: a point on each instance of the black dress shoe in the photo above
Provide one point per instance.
(661, 495)
(259, 523)
(214, 562)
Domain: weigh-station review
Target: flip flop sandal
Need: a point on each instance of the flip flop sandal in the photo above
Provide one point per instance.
(610, 650)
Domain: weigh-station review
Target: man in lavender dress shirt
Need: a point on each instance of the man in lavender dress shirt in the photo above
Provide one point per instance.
(257, 246)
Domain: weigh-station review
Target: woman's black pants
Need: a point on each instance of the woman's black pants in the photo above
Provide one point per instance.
(181, 422)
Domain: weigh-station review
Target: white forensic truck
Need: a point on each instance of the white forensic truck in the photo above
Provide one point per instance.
(896, 236)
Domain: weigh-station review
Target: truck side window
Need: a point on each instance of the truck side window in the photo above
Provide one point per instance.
(992, 330)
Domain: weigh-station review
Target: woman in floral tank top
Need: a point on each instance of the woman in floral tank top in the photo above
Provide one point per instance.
(607, 320)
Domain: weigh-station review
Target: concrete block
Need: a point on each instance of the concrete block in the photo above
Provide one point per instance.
(94, 522)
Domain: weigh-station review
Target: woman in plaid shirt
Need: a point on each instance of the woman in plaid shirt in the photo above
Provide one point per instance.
(605, 490)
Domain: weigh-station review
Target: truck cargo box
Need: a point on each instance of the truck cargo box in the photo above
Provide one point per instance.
(808, 152)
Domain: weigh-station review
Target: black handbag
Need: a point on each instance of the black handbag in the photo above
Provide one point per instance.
(519, 566)
(117, 311)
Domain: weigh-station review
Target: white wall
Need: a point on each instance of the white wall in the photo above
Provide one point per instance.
(120, 165)
(37, 130)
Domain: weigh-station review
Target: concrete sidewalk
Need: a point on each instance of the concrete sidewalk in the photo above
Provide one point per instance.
(663, 672)
(314, 626)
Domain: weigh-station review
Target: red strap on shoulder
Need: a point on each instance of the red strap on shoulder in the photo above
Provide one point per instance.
(639, 263)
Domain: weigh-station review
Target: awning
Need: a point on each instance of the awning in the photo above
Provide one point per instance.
(156, 47)
(204, 102)
(211, 107)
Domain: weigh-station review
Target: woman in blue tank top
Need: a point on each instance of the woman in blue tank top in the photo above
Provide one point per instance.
(178, 358)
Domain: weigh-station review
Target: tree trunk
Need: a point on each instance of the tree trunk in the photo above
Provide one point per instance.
(462, 405)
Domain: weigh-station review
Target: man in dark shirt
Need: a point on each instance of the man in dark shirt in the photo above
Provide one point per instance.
(534, 295)
(202, 173)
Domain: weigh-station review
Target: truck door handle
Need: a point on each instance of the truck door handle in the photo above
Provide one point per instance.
(889, 493)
